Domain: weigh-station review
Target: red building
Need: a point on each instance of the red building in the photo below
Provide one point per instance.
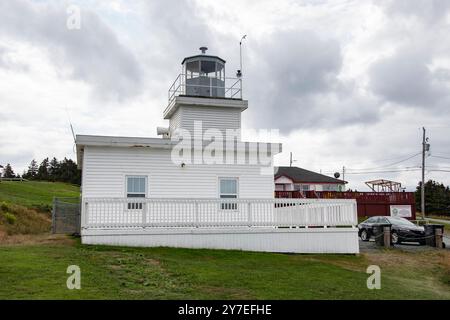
(387, 203)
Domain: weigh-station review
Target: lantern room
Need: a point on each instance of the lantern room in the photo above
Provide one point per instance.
(204, 75)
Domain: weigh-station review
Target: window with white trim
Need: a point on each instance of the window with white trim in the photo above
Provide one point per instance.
(228, 189)
(136, 188)
(305, 187)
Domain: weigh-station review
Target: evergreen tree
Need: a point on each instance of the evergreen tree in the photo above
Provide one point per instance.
(42, 173)
(437, 198)
(32, 170)
(8, 172)
(69, 172)
(54, 170)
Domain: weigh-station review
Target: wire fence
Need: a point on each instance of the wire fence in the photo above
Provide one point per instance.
(66, 216)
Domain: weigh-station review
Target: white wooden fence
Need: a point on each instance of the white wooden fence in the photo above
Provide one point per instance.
(106, 213)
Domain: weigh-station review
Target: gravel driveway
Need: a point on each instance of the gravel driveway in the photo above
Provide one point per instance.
(368, 246)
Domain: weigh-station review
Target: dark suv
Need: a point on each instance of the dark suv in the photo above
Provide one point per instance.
(402, 230)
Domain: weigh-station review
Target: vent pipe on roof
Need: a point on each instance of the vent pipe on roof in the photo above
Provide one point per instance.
(203, 49)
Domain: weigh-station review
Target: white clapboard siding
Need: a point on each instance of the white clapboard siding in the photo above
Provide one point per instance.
(105, 169)
(211, 117)
(313, 240)
(175, 121)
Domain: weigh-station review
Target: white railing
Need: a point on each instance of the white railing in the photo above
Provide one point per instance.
(145, 212)
(206, 86)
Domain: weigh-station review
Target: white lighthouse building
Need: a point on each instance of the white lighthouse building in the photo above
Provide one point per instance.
(197, 185)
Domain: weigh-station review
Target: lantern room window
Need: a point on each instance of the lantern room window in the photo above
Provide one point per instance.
(204, 76)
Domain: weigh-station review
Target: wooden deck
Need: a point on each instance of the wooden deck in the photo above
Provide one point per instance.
(369, 203)
(268, 225)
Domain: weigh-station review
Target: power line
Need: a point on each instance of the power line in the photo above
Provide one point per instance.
(340, 160)
(388, 165)
(443, 154)
(408, 169)
(440, 157)
(385, 171)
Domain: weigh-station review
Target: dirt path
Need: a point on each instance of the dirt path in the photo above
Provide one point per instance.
(33, 239)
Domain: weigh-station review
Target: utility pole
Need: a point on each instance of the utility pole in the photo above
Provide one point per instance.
(425, 148)
(291, 161)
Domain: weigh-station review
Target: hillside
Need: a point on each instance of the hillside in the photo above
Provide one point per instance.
(25, 206)
(19, 220)
(35, 194)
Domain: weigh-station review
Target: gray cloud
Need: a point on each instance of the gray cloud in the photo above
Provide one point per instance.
(404, 78)
(296, 85)
(302, 62)
(410, 76)
(429, 11)
(177, 30)
(92, 54)
(318, 87)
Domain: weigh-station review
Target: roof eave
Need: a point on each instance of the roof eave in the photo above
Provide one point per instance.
(203, 56)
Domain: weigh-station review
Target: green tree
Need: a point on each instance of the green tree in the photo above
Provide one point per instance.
(42, 173)
(8, 172)
(69, 172)
(54, 170)
(437, 198)
(32, 170)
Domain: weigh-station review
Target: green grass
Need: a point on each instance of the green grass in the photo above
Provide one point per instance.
(39, 272)
(440, 217)
(17, 219)
(35, 194)
(34, 266)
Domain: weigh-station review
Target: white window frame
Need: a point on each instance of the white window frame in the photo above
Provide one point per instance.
(228, 205)
(135, 205)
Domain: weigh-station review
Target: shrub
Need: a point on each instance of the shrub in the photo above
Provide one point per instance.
(4, 206)
(41, 207)
(22, 220)
(10, 218)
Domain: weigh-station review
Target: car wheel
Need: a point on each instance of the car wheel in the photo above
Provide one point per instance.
(364, 235)
(395, 238)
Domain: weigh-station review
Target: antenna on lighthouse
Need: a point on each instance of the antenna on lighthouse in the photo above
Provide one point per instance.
(239, 72)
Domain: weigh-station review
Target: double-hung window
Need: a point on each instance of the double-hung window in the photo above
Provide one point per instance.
(136, 188)
(228, 189)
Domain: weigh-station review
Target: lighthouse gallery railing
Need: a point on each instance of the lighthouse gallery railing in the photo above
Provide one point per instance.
(231, 88)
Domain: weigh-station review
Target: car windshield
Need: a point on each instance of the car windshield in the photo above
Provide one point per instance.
(400, 221)
(371, 220)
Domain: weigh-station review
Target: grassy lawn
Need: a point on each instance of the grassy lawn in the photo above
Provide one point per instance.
(33, 265)
(35, 194)
(36, 269)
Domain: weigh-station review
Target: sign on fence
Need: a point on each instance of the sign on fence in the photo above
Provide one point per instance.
(403, 211)
(66, 216)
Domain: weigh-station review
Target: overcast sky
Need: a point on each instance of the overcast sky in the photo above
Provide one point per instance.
(347, 83)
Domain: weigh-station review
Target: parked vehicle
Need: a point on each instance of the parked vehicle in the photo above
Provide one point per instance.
(402, 230)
